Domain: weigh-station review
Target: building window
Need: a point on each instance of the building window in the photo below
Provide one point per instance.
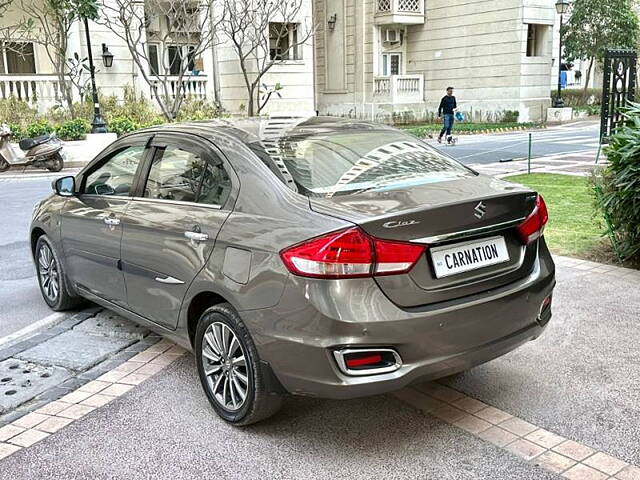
(17, 58)
(154, 59)
(536, 39)
(176, 54)
(283, 41)
(391, 64)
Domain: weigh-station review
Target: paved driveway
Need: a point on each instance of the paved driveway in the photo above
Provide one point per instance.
(573, 394)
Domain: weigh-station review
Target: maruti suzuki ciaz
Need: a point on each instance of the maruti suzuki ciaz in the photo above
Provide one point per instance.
(320, 256)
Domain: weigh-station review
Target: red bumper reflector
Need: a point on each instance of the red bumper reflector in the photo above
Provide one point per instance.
(362, 361)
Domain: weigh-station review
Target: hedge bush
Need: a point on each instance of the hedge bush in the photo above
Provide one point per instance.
(39, 127)
(73, 129)
(122, 125)
(617, 187)
(16, 112)
(574, 97)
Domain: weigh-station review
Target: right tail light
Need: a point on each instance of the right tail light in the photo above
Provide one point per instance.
(533, 226)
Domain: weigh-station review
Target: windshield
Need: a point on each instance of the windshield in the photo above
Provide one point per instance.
(347, 162)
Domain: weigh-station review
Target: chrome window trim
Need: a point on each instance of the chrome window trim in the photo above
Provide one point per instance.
(176, 202)
(339, 356)
(468, 233)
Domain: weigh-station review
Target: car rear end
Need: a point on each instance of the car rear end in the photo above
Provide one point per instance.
(438, 270)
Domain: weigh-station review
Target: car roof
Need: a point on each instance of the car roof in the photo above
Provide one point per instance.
(249, 130)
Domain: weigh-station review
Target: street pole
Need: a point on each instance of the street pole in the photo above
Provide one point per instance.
(559, 101)
(98, 125)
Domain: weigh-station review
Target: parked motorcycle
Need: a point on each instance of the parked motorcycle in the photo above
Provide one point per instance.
(40, 152)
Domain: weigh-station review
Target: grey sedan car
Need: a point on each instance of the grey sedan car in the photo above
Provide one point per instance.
(323, 257)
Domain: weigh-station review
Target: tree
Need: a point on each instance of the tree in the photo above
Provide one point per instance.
(49, 23)
(262, 34)
(180, 31)
(594, 26)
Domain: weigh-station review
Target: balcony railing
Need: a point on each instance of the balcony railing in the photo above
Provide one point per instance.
(399, 11)
(398, 89)
(39, 91)
(193, 85)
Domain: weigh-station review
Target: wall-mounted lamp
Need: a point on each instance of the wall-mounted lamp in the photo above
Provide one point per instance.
(332, 21)
(107, 56)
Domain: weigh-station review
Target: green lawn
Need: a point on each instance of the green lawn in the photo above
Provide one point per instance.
(572, 229)
(464, 127)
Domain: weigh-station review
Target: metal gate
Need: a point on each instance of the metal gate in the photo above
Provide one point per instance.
(618, 87)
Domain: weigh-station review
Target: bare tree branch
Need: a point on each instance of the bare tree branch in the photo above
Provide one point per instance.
(263, 34)
(180, 31)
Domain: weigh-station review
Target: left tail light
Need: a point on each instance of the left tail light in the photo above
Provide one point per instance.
(350, 253)
(533, 226)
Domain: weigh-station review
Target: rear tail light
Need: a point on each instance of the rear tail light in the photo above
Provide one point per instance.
(533, 226)
(350, 253)
(370, 361)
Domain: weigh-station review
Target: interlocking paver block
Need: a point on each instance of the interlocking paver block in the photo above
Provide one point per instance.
(440, 392)
(574, 450)
(28, 438)
(53, 408)
(165, 359)
(134, 379)
(128, 367)
(545, 438)
(9, 431)
(76, 396)
(605, 463)
(518, 426)
(30, 420)
(117, 389)
(7, 449)
(472, 424)
(98, 400)
(75, 411)
(53, 424)
(582, 472)
(629, 473)
(94, 386)
(144, 357)
(493, 415)
(112, 376)
(75, 349)
(448, 413)
(554, 462)
(150, 369)
(525, 449)
(469, 405)
(498, 436)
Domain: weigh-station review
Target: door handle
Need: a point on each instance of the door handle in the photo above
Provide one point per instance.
(111, 221)
(169, 280)
(197, 236)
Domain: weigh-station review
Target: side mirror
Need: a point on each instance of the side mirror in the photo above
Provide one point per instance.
(65, 186)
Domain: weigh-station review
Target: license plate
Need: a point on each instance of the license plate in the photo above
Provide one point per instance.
(463, 257)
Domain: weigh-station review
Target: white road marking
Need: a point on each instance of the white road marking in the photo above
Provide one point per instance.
(45, 322)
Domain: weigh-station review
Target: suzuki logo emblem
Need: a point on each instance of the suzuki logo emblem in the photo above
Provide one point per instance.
(481, 210)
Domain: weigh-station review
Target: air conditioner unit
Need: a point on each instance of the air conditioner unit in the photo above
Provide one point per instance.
(391, 35)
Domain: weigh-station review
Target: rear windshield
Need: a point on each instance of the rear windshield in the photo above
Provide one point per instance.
(348, 162)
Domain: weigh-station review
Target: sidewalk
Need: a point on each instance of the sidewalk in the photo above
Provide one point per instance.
(567, 401)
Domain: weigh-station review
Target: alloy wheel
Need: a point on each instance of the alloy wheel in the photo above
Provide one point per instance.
(48, 273)
(225, 366)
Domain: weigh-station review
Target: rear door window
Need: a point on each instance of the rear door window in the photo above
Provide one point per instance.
(186, 175)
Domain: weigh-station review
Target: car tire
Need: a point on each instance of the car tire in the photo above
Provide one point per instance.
(222, 377)
(51, 277)
(4, 165)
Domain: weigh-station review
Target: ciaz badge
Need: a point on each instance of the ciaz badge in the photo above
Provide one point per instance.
(398, 223)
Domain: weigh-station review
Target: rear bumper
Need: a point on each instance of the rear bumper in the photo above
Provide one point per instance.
(298, 336)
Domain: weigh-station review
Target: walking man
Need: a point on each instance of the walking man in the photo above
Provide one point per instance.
(446, 111)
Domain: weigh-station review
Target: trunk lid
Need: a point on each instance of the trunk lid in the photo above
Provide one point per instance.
(442, 214)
